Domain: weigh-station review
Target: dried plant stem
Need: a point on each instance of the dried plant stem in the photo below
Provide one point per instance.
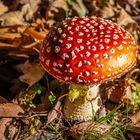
(37, 35)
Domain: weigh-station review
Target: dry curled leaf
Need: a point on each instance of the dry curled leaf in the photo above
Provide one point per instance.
(115, 92)
(3, 8)
(54, 113)
(56, 10)
(7, 110)
(89, 126)
(10, 109)
(81, 127)
(108, 11)
(33, 4)
(12, 18)
(17, 17)
(125, 20)
(135, 128)
(124, 91)
(135, 117)
(33, 72)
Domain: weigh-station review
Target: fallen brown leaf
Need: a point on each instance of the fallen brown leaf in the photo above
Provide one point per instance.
(7, 110)
(125, 20)
(135, 118)
(56, 10)
(17, 17)
(3, 124)
(12, 18)
(32, 72)
(123, 90)
(3, 8)
(115, 92)
(3, 100)
(34, 4)
(135, 128)
(27, 12)
(108, 11)
(81, 127)
(89, 126)
(54, 113)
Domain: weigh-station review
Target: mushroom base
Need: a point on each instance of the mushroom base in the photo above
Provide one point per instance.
(83, 107)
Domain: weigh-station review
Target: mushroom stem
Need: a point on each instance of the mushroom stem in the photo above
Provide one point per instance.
(82, 103)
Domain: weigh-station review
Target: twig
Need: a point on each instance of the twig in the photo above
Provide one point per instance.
(6, 45)
(18, 55)
(38, 115)
(11, 116)
(29, 46)
(17, 135)
(24, 116)
(37, 35)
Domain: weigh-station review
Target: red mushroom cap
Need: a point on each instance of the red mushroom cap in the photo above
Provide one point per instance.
(88, 51)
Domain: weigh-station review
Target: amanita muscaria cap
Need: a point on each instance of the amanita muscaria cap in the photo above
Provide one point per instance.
(88, 51)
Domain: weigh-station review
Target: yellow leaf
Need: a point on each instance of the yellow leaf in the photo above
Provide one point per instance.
(73, 94)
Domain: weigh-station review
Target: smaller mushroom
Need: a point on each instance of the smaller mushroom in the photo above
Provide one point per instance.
(86, 52)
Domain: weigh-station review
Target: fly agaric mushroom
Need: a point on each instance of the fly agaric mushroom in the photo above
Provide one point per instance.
(86, 52)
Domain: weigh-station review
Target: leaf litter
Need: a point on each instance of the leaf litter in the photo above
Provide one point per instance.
(31, 103)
